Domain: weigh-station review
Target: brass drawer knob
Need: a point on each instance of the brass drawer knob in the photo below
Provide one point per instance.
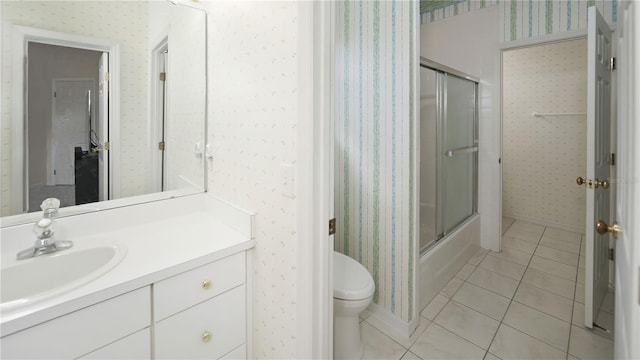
(206, 284)
(206, 337)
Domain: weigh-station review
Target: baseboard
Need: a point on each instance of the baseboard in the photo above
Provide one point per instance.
(390, 324)
(571, 228)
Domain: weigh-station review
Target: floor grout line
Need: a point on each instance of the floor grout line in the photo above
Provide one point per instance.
(511, 299)
(514, 295)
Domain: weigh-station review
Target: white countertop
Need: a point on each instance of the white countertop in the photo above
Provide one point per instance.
(155, 249)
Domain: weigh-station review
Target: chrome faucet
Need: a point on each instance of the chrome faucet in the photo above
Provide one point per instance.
(45, 243)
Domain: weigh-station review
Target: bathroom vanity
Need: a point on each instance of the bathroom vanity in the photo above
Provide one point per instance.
(178, 285)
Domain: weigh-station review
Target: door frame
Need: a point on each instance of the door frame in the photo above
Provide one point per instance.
(514, 45)
(314, 184)
(156, 130)
(21, 36)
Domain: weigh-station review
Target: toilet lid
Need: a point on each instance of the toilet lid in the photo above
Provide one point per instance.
(351, 280)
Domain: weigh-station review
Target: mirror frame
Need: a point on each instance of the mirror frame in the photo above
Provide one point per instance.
(21, 35)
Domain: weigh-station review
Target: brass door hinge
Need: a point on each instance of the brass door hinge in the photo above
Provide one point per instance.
(106, 76)
(161, 145)
(332, 226)
(612, 159)
(612, 64)
(107, 146)
(163, 76)
(612, 255)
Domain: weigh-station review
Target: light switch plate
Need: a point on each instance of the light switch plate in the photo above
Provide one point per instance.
(287, 180)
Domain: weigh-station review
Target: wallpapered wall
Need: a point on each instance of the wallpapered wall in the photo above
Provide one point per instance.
(431, 10)
(542, 156)
(375, 121)
(530, 18)
(102, 20)
(252, 117)
(524, 19)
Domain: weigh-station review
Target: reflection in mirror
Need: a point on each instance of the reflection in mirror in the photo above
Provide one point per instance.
(109, 104)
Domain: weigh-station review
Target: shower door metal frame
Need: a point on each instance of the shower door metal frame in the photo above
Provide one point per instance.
(442, 71)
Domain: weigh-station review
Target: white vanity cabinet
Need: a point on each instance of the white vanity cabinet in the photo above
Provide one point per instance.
(85, 330)
(202, 313)
(199, 313)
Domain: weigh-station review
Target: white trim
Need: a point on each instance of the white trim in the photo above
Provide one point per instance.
(514, 45)
(22, 35)
(416, 165)
(575, 229)
(314, 186)
(557, 37)
(389, 323)
(154, 130)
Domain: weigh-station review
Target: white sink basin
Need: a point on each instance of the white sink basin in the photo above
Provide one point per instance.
(25, 282)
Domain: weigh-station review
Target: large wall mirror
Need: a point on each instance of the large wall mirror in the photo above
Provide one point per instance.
(103, 104)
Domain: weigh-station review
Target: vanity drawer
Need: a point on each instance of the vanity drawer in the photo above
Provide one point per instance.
(194, 286)
(208, 330)
(82, 331)
(134, 346)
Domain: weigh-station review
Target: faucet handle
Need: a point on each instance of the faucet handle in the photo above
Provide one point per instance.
(43, 228)
(50, 207)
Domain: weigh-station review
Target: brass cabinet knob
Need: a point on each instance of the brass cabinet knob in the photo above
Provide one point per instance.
(603, 228)
(206, 336)
(206, 284)
(580, 181)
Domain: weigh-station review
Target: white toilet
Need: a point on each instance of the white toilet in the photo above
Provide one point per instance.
(352, 292)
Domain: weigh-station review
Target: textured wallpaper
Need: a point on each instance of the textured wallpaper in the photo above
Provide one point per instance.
(543, 156)
(375, 177)
(97, 19)
(531, 18)
(431, 10)
(252, 124)
(524, 19)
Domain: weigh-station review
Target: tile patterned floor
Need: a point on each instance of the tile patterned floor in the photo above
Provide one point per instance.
(526, 302)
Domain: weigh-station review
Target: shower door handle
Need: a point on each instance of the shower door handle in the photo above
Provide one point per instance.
(460, 151)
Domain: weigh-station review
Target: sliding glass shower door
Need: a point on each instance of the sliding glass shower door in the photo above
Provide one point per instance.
(448, 151)
(460, 152)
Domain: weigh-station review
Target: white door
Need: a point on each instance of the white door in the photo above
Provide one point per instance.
(69, 126)
(598, 166)
(102, 128)
(627, 265)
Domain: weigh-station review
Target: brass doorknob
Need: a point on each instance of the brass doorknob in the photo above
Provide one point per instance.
(580, 181)
(603, 228)
(603, 183)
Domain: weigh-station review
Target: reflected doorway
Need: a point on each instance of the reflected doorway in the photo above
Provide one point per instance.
(64, 126)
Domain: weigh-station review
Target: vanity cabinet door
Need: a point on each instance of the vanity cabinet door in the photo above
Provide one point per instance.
(82, 331)
(194, 286)
(135, 346)
(208, 330)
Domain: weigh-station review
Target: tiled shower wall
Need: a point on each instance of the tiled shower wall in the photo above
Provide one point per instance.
(542, 156)
(375, 121)
(100, 19)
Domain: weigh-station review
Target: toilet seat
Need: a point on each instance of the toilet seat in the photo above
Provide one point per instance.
(351, 280)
